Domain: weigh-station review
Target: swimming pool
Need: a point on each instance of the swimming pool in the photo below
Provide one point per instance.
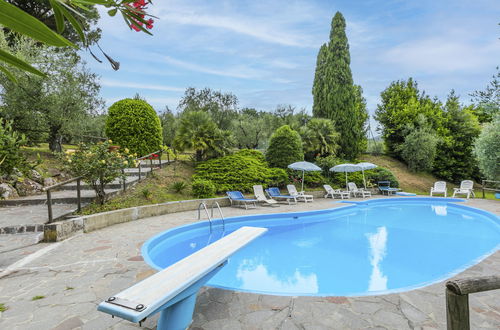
(371, 247)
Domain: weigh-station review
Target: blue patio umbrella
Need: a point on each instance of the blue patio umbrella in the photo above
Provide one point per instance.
(366, 166)
(346, 168)
(304, 166)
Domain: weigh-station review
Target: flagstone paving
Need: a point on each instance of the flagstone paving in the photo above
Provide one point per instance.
(62, 283)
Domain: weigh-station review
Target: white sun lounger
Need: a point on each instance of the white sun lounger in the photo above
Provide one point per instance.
(335, 192)
(299, 195)
(258, 192)
(355, 191)
(466, 188)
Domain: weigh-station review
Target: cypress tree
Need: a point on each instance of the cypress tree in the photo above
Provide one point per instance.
(335, 95)
(319, 83)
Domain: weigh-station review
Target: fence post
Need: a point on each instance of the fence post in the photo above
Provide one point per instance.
(483, 188)
(457, 311)
(140, 165)
(159, 159)
(124, 180)
(78, 194)
(49, 205)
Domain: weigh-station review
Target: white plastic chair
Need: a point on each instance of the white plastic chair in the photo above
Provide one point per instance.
(258, 192)
(354, 190)
(466, 188)
(439, 188)
(335, 192)
(299, 195)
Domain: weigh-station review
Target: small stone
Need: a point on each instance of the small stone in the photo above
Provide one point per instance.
(47, 182)
(7, 191)
(34, 175)
(28, 187)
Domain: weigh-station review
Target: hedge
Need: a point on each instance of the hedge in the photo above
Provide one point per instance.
(240, 171)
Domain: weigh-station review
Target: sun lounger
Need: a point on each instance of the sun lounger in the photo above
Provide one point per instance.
(237, 198)
(466, 188)
(299, 195)
(275, 193)
(258, 192)
(355, 191)
(439, 188)
(335, 192)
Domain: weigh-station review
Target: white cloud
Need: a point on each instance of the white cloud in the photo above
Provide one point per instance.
(441, 55)
(235, 72)
(124, 84)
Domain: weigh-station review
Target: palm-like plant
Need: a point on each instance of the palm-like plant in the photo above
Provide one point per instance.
(197, 131)
(319, 138)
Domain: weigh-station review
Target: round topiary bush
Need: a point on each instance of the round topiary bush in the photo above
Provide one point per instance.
(285, 148)
(203, 188)
(134, 124)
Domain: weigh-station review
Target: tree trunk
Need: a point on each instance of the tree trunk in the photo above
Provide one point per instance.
(199, 155)
(55, 139)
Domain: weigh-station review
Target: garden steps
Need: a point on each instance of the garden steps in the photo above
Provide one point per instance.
(61, 196)
(29, 214)
(115, 184)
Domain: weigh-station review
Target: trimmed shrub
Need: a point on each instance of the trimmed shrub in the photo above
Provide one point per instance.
(237, 172)
(487, 150)
(134, 124)
(285, 148)
(251, 153)
(203, 188)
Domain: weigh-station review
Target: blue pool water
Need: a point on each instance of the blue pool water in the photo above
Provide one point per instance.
(371, 247)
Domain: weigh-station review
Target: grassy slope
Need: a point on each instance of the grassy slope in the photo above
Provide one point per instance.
(153, 190)
(419, 183)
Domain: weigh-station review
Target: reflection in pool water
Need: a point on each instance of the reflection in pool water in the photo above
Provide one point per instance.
(378, 242)
(257, 275)
(371, 248)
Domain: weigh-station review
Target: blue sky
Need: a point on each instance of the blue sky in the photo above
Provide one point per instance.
(265, 52)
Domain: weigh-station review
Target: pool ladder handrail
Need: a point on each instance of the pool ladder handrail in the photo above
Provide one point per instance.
(204, 205)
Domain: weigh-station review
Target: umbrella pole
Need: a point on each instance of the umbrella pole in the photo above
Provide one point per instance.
(346, 181)
(364, 181)
(302, 180)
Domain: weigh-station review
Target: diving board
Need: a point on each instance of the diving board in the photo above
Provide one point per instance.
(172, 291)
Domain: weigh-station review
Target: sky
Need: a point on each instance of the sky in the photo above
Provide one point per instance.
(265, 52)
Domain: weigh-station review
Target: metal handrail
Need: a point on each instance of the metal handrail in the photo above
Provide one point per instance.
(220, 212)
(206, 211)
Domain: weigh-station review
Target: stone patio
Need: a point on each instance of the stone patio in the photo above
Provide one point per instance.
(73, 276)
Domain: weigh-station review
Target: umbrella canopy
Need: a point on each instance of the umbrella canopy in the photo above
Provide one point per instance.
(346, 168)
(366, 166)
(304, 166)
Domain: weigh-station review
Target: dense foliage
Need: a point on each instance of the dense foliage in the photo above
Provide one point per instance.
(98, 165)
(334, 94)
(52, 107)
(134, 124)
(285, 148)
(487, 149)
(203, 188)
(168, 126)
(10, 148)
(419, 147)
(222, 107)
(239, 171)
(455, 160)
(401, 104)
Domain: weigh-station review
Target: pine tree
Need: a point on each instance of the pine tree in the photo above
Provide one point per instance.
(335, 95)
